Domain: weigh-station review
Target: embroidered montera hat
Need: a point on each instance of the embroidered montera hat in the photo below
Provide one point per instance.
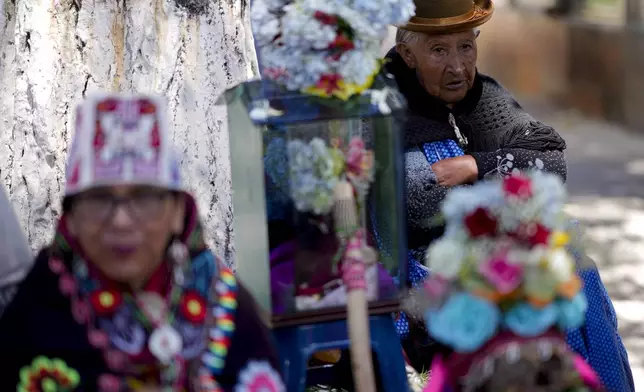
(121, 139)
(449, 16)
(503, 289)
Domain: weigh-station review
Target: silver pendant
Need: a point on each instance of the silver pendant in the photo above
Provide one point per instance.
(165, 344)
(462, 140)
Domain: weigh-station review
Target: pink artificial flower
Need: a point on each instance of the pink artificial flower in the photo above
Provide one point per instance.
(359, 160)
(438, 380)
(587, 373)
(356, 143)
(518, 186)
(505, 276)
(354, 160)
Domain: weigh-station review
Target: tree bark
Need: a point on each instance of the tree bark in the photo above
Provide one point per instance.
(53, 52)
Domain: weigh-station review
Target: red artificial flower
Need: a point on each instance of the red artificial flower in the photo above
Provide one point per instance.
(325, 18)
(193, 307)
(533, 234)
(105, 302)
(540, 236)
(481, 223)
(518, 186)
(342, 42)
(329, 82)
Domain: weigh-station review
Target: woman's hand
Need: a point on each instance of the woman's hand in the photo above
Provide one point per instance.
(456, 171)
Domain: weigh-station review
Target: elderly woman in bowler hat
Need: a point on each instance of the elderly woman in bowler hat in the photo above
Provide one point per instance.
(128, 297)
(463, 127)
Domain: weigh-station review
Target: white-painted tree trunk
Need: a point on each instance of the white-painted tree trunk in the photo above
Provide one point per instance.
(54, 51)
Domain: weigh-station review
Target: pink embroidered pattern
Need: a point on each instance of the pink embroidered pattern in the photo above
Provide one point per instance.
(259, 377)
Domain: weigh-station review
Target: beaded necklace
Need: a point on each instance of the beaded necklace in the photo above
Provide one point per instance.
(75, 284)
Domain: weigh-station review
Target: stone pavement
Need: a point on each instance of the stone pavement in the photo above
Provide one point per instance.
(606, 186)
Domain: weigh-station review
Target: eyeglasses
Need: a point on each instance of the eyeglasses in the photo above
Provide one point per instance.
(142, 205)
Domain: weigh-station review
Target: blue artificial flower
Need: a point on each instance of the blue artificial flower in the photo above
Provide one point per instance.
(464, 322)
(528, 321)
(572, 313)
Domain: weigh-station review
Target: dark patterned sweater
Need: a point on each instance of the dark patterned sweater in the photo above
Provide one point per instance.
(501, 136)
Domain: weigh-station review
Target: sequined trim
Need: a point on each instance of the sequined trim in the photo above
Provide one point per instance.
(220, 336)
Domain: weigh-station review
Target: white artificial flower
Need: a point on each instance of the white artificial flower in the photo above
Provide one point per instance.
(480, 250)
(525, 256)
(561, 265)
(445, 257)
(302, 54)
(357, 66)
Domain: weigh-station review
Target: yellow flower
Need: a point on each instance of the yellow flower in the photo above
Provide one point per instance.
(338, 88)
(559, 239)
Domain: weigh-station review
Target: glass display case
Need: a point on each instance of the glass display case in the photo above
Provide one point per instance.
(302, 169)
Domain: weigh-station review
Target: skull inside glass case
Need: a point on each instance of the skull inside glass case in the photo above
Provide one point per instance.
(310, 174)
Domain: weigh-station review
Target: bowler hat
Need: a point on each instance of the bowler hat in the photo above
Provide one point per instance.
(449, 16)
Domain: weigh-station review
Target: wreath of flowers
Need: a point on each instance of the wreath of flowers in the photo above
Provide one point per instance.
(324, 47)
(503, 263)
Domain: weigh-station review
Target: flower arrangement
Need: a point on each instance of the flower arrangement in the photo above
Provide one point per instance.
(329, 48)
(502, 264)
(315, 169)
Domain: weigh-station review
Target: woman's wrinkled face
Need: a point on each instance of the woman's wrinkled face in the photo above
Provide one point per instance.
(445, 64)
(125, 230)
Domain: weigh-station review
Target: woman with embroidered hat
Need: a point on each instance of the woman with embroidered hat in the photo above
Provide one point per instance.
(463, 127)
(128, 296)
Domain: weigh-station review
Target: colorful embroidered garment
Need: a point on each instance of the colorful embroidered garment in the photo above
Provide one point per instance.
(191, 327)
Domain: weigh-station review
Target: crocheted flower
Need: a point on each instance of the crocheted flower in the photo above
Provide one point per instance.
(444, 257)
(259, 376)
(526, 320)
(560, 265)
(517, 187)
(570, 288)
(464, 322)
(360, 165)
(572, 313)
(533, 234)
(481, 223)
(105, 302)
(46, 375)
(539, 286)
(193, 307)
(505, 276)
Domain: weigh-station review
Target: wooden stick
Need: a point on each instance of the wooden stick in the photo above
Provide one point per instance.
(347, 224)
